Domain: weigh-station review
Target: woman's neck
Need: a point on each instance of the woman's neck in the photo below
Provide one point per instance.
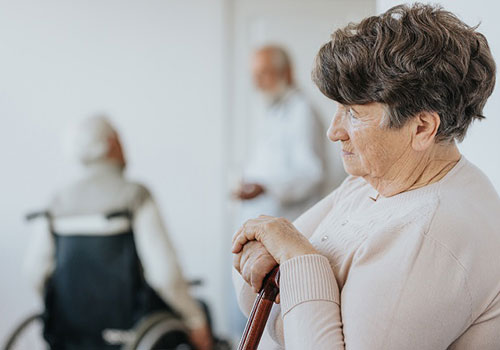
(417, 170)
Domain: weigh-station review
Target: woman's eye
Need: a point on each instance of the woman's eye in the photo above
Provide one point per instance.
(351, 114)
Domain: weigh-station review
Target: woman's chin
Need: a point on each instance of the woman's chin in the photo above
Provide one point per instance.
(353, 169)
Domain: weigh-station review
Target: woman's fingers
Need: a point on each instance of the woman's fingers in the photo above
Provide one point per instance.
(243, 261)
(246, 273)
(281, 239)
(254, 262)
(238, 243)
(257, 274)
(262, 266)
(237, 262)
(246, 233)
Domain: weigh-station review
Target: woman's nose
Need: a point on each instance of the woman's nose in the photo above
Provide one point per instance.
(336, 131)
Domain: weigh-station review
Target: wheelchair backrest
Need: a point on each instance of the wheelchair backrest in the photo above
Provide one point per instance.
(98, 282)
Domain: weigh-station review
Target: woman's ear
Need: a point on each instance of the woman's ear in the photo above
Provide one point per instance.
(425, 127)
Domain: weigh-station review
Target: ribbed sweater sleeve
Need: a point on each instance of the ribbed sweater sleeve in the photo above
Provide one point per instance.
(403, 299)
(310, 304)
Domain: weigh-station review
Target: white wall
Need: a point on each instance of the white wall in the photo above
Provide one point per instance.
(157, 68)
(482, 143)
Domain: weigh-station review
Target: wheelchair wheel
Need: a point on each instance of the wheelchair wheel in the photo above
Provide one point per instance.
(27, 335)
(160, 331)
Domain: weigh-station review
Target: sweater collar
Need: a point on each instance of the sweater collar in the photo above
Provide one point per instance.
(375, 196)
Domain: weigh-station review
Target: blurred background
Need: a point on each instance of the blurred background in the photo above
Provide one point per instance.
(174, 77)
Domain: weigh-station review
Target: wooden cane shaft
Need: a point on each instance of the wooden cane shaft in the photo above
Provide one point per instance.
(260, 312)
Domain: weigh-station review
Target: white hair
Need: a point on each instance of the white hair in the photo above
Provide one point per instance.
(88, 140)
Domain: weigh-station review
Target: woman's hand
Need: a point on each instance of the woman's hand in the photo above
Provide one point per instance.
(254, 263)
(278, 235)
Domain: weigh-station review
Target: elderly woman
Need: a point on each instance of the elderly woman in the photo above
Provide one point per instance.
(405, 253)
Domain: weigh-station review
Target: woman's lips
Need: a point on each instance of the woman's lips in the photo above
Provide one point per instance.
(345, 153)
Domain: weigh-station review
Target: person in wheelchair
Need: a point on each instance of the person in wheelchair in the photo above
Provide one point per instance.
(103, 259)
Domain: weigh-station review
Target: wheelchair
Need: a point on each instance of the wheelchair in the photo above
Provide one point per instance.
(155, 326)
(157, 331)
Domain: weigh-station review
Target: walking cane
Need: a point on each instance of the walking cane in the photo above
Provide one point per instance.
(260, 311)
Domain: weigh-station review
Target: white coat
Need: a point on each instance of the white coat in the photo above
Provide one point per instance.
(286, 158)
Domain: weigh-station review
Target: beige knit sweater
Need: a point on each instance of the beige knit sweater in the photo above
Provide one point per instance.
(419, 270)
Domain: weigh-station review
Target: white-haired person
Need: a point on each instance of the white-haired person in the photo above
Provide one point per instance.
(104, 259)
(405, 253)
(284, 169)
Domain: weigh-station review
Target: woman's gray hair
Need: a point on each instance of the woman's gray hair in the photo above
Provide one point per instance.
(411, 59)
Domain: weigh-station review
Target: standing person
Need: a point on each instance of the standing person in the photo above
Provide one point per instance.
(284, 171)
(97, 271)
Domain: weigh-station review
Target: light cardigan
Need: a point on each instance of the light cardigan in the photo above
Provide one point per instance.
(419, 270)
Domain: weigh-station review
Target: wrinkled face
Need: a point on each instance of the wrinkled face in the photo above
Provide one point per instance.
(369, 147)
(267, 78)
